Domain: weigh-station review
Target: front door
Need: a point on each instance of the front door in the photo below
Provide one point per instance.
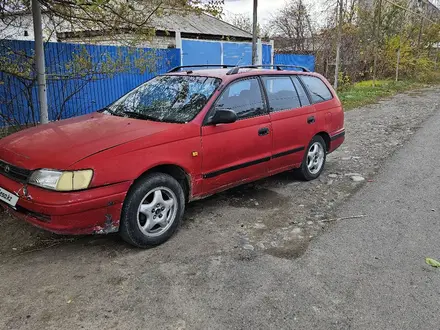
(238, 152)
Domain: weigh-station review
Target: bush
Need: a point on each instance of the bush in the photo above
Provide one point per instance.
(344, 81)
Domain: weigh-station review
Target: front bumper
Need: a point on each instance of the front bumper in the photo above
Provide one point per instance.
(96, 210)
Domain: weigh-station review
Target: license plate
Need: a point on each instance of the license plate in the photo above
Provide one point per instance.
(8, 197)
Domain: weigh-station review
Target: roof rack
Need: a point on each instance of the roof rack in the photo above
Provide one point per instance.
(279, 67)
(177, 68)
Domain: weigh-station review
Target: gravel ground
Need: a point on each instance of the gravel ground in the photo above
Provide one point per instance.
(220, 269)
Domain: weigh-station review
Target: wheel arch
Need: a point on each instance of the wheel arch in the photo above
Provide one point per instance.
(177, 172)
(326, 137)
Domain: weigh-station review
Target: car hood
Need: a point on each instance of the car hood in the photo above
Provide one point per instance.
(60, 144)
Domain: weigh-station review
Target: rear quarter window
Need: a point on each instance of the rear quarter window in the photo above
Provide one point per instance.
(319, 92)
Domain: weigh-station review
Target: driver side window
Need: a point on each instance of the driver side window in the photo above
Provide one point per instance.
(244, 97)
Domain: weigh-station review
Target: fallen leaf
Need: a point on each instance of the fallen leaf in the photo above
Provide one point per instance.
(432, 262)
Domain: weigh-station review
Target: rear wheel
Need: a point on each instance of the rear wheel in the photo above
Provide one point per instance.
(314, 159)
(152, 211)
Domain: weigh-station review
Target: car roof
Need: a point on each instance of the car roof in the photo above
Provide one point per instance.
(242, 72)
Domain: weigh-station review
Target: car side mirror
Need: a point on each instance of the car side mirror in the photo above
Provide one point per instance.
(223, 116)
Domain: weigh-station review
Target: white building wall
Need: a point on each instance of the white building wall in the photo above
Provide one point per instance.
(21, 28)
(124, 40)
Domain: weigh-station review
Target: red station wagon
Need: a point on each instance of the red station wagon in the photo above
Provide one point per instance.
(179, 137)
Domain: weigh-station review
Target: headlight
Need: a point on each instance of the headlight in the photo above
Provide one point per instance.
(61, 180)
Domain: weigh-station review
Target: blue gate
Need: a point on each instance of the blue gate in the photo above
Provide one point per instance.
(200, 52)
(221, 52)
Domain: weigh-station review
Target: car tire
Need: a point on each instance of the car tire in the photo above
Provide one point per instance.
(152, 210)
(314, 159)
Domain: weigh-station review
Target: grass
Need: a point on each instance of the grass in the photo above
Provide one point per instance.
(363, 93)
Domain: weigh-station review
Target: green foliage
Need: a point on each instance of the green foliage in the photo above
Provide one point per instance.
(344, 81)
(365, 35)
(16, 63)
(414, 63)
(363, 93)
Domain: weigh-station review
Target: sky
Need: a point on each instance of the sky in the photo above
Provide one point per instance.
(268, 7)
(265, 8)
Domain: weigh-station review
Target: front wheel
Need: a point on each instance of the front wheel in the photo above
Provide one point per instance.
(314, 159)
(152, 210)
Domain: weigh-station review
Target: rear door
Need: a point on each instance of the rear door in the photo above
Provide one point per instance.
(238, 152)
(329, 114)
(292, 117)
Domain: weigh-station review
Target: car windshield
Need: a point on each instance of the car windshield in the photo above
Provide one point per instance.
(176, 99)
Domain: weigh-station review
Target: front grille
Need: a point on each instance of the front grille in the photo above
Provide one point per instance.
(14, 172)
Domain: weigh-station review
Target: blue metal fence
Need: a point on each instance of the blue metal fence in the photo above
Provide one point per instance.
(69, 97)
(200, 52)
(307, 61)
(216, 52)
(87, 93)
(267, 54)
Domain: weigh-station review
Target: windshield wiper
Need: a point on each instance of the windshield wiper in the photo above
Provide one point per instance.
(138, 115)
(113, 113)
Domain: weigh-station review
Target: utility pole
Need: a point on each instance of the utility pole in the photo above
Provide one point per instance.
(254, 33)
(339, 41)
(39, 61)
(378, 12)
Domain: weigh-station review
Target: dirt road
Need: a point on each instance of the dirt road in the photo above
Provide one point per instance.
(238, 262)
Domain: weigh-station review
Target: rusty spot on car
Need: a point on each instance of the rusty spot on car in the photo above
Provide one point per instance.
(109, 226)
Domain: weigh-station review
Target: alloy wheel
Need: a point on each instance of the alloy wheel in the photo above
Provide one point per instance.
(157, 211)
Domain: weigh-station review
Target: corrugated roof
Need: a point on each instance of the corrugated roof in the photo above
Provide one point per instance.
(197, 24)
(184, 22)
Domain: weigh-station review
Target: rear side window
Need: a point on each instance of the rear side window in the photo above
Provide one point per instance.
(244, 97)
(319, 92)
(281, 93)
(301, 92)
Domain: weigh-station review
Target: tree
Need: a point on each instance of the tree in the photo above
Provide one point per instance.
(340, 20)
(382, 38)
(243, 22)
(293, 22)
(134, 19)
(112, 17)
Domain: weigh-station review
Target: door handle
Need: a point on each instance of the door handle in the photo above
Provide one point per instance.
(311, 120)
(263, 131)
